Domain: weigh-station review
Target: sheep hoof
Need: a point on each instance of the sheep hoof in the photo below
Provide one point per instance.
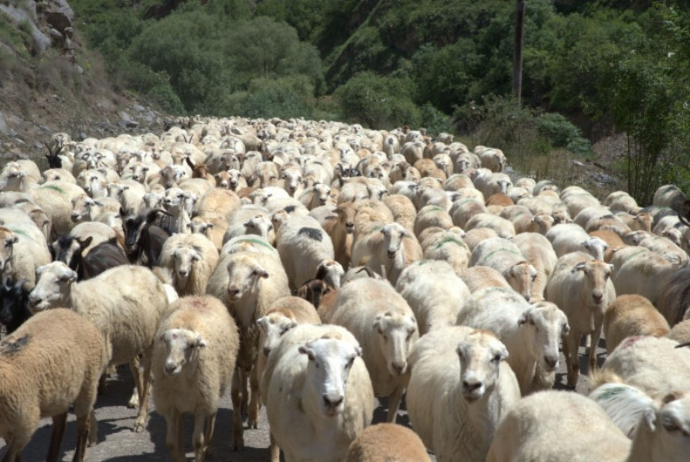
(238, 444)
(138, 427)
(133, 402)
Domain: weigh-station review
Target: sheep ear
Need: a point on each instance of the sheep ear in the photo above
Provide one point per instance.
(13, 240)
(649, 419)
(524, 318)
(209, 225)
(305, 350)
(579, 267)
(377, 323)
(84, 243)
(504, 353)
(71, 275)
(358, 351)
(200, 342)
(611, 267)
(565, 330)
(262, 322)
(261, 272)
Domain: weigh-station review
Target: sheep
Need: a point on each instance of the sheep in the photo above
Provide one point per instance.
(448, 246)
(23, 250)
(431, 215)
(386, 328)
(340, 230)
(474, 236)
(538, 252)
(503, 227)
(569, 237)
(284, 314)
(191, 258)
(529, 332)
(55, 198)
(631, 315)
(247, 283)
(638, 270)
(385, 441)
(621, 201)
(100, 258)
(680, 332)
(624, 404)
(463, 210)
(611, 239)
(14, 299)
(249, 243)
(505, 257)
(52, 362)
(83, 237)
(582, 288)
(482, 277)
(578, 201)
(317, 392)
(668, 196)
(403, 210)
(491, 158)
(390, 247)
(260, 225)
(674, 299)
(666, 248)
(434, 293)
(459, 386)
(653, 364)
(193, 361)
(303, 245)
(125, 303)
(177, 204)
(559, 427)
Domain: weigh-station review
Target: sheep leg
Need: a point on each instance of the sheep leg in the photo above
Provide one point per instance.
(135, 366)
(236, 396)
(593, 366)
(571, 344)
(144, 399)
(83, 431)
(275, 449)
(59, 422)
(14, 448)
(198, 440)
(253, 412)
(210, 427)
(93, 432)
(173, 438)
(394, 404)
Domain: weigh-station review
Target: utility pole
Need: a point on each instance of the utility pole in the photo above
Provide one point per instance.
(517, 55)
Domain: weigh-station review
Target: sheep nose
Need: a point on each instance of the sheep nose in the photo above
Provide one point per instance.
(322, 200)
(391, 253)
(75, 216)
(233, 293)
(35, 299)
(350, 226)
(223, 184)
(470, 386)
(551, 361)
(332, 400)
(399, 366)
(170, 369)
(528, 297)
(597, 297)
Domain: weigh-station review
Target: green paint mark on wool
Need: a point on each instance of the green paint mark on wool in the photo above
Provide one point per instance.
(54, 188)
(259, 242)
(489, 255)
(448, 240)
(435, 209)
(635, 255)
(610, 393)
(18, 231)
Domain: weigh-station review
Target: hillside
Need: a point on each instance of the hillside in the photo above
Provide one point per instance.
(50, 81)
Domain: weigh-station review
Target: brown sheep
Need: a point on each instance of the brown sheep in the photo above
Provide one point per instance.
(630, 315)
(386, 442)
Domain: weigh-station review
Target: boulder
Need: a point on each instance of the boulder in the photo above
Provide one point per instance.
(59, 15)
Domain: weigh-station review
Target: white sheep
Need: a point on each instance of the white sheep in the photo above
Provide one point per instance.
(193, 361)
(55, 199)
(459, 388)
(434, 293)
(23, 248)
(303, 245)
(52, 362)
(506, 258)
(582, 288)
(504, 228)
(388, 246)
(569, 237)
(653, 364)
(557, 426)
(638, 270)
(448, 246)
(482, 277)
(191, 259)
(317, 392)
(530, 332)
(247, 283)
(538, 251)
(386, 328)
(632, 315)
(125, 303)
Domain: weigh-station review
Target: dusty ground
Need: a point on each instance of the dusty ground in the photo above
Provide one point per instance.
(117, 443)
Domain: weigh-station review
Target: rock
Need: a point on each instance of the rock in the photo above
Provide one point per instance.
(139, 108)
(4, 129)
(55, 36)
(19, 16)
(59, 15)
(579, 164)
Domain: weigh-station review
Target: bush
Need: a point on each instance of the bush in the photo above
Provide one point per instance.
(376, 101)
(561, 133)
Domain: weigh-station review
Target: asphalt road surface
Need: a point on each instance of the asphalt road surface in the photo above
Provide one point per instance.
(117, 442)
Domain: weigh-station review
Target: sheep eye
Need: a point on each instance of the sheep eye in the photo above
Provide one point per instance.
(496, 359)
(180, 196)
(8, 243)
(531, 322)
(350, 363)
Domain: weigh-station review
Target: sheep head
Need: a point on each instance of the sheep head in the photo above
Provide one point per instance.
(596, 275)
(393, 235)
(244, 274)
(547, 324)
(330, 362)
(53, 284)
(521, 278)
(182, 347)
(396, 334)
(7, 241)
(185, 257)
(480, 355)
(274, 325)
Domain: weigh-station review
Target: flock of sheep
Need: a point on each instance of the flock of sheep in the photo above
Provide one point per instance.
(313, 266)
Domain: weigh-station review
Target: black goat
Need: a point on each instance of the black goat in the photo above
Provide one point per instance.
(143, 238)
(14, 301)
(54, 160)
(101, 258)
